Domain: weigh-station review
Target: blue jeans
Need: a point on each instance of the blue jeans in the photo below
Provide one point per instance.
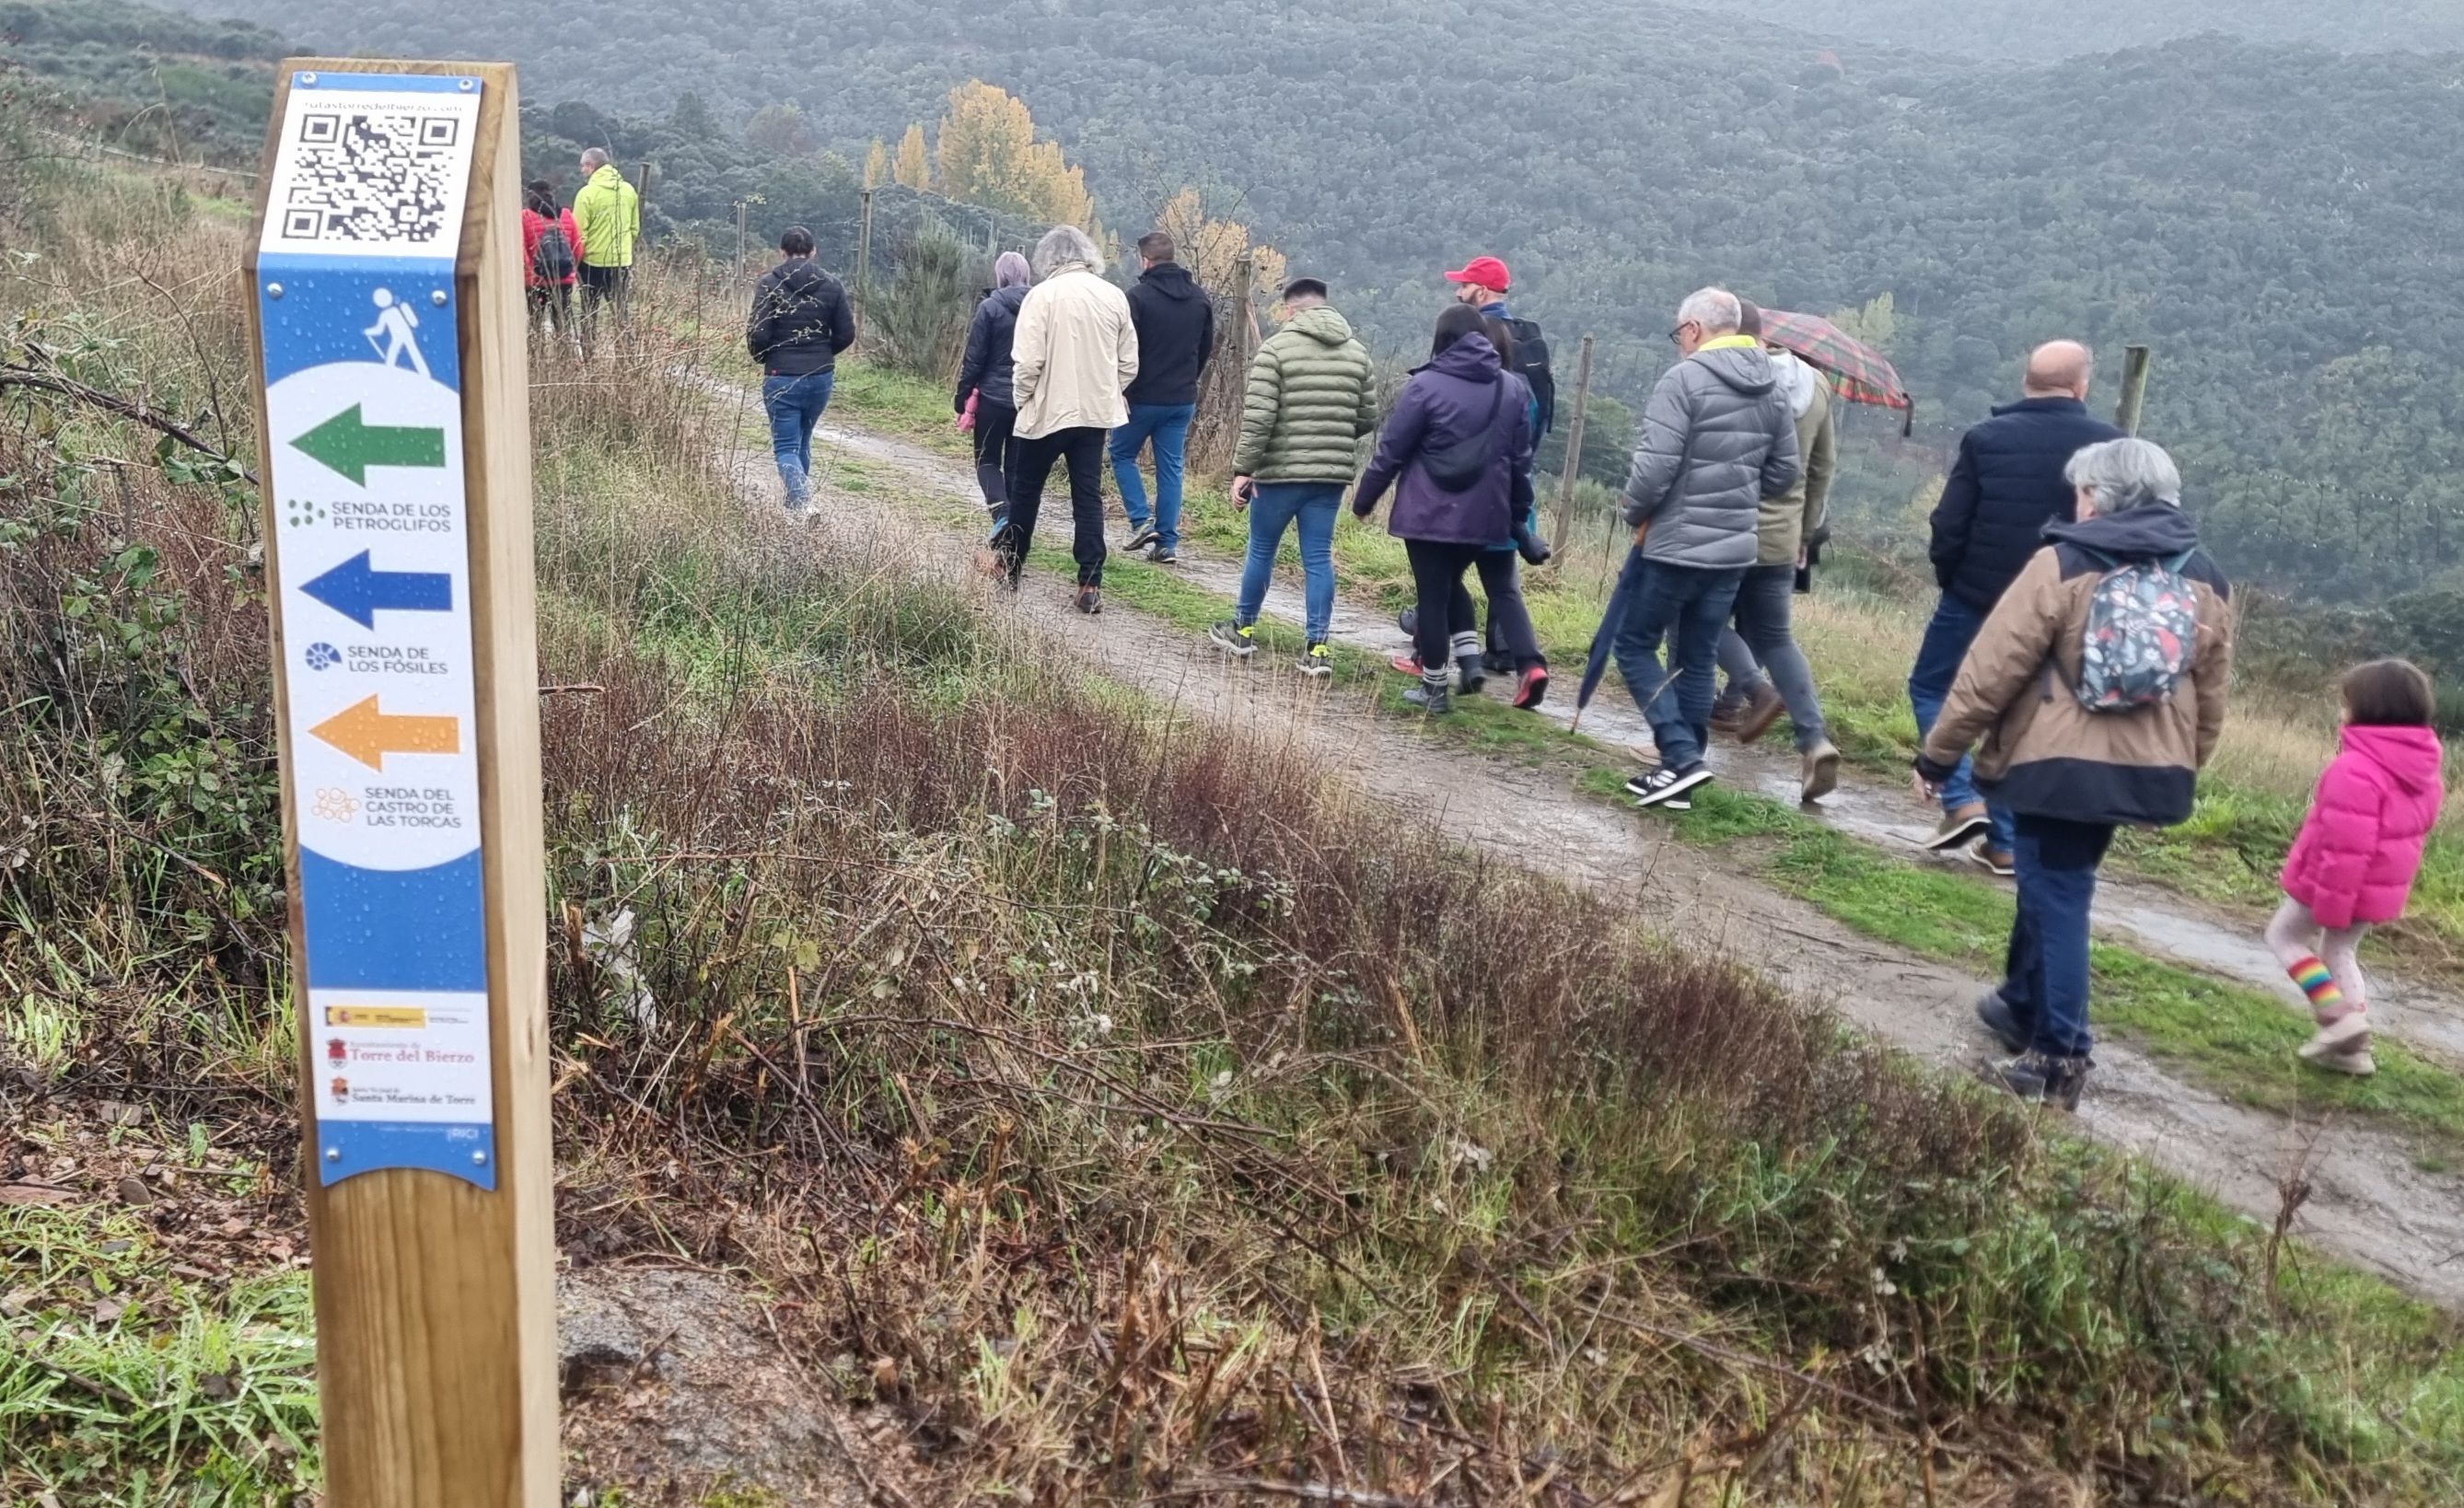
(2045, 976)
(795, 405)
(1954, 628)
(1167, 425)
(1273, 508)
(1690, 606)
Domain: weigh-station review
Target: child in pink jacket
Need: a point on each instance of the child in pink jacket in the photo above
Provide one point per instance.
(2357, 851)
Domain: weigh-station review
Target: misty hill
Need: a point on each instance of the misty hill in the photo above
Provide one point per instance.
(2032, 29)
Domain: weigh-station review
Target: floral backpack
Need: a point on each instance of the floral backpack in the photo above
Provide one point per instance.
(2142, 626)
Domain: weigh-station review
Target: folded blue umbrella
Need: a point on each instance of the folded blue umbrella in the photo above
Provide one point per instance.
(1629, 581)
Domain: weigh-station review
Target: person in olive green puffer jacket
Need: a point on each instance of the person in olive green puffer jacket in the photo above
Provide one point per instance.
(1311, 398)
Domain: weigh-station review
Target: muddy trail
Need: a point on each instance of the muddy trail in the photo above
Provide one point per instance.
(2369, 1201)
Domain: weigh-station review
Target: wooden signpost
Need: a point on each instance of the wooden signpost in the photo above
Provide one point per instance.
(394, 415)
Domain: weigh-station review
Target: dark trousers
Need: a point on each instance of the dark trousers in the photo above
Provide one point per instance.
(602, 286)
(2046, 975)
(552, 307)
(1509, 617)
(1688, 606)
(1031, 461)
(994, 423)
(1441, 606)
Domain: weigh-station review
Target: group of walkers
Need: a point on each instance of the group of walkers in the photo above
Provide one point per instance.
(2072, 680)
(587, 247)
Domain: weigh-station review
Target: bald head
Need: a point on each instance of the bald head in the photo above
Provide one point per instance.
(2059, 369)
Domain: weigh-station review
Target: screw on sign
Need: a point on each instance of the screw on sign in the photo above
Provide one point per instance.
(389, 334)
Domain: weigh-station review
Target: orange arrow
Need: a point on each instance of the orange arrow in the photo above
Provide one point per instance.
(368, 736)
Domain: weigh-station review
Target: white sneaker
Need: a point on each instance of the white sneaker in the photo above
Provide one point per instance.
(2342, 1047)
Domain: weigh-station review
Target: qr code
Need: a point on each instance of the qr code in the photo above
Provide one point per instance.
(373, 177)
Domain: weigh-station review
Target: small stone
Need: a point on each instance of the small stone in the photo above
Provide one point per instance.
(133, 1191)
(114, 1248)
(217, 1386)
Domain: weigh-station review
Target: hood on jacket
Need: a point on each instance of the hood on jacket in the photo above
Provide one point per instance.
(2151, 531)
(1172, 280)
(1472, 358)
(1795, 378)
(1007, 297)
(1323, 325)
(1743, 367)
(606, 177)
(2410, 755)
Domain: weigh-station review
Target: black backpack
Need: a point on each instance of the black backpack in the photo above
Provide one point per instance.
(552, 259)
(1531, 364)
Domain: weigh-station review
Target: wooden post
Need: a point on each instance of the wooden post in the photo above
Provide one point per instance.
(1572, 465)
(2135, 363)
(1246, 270)
(642, 192)
(743, 222)
(394, 415)
(863, 257)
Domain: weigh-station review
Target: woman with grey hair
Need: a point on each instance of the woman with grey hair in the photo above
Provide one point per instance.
(1073, 352)
(2098, 685)
(984, 375)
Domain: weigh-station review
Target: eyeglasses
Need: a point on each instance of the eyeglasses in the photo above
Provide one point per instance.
(1676, 337)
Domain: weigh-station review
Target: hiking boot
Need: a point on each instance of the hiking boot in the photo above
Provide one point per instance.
(1236, 636)
(1430, 696)
(1496, 661)
(1409, 620)
(1161, 555)
(1407, 664)
(1667, 786)
(1994, 1014)
(1763, 705)
(2342, 1047)
(1724, 714)
(1317, 662)
(1141, 536)
(1818, 773)
(2042, 1078)
(1959, 826)
(1470, 674)
(1091, 602)
(1996, 861)
(1533, 688)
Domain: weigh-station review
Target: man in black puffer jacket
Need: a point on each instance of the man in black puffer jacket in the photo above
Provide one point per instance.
(801, 322)
(1175, 325)
(2004, 489)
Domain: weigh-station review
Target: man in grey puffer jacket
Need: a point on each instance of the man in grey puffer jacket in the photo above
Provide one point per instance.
(1718, 437)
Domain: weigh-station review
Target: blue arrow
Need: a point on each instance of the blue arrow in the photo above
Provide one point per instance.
(359, 592)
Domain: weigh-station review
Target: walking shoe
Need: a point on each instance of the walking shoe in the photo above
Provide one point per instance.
(1430, 696)
(1996, 862)
(1161, 555)
(1470, 674)
(2042, 1078)
(1317, 661)
(2343, 1046)
(1141, 536)
(1533, 688)
(1091, 602)
(1994, 1014)
(1240, 638)
(1667, 786)
(1818, 771)
(1496, 661)
(1959, 826)
(1409, 620)
(1407, 664)
(1724, 714)
(1763, 705)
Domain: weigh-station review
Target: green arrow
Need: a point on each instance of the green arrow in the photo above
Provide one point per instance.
(350, 445)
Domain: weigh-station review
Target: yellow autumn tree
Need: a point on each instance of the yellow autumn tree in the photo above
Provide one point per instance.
(1211, 249)
(987, 154)
(914, 166)
(876, 164)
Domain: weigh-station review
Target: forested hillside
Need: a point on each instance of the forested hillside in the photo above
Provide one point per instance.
(148, 80)
(2033, 30)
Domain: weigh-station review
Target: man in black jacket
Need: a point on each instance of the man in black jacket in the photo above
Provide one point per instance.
(1175, 321)
(2004, 489)
(801, 322)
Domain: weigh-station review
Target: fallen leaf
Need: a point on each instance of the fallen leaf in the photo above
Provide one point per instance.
(16, 1303)
(108, 1311)
(217, 1386)
(133, 1191)
(114, 1248)
(33, 1194)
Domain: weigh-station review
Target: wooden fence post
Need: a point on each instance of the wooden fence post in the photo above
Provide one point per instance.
(387, 320)
(743, 226)
(1571, 467)
(2136, 360)
(864, 258)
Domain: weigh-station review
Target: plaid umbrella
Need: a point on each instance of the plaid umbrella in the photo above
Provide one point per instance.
(1857, 372)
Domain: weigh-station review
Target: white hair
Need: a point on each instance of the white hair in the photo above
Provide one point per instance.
(593, 160)
(2125, 474)
(1714, 309)
(1063, 245)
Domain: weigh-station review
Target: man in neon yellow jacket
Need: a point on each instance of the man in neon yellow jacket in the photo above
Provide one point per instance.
(609, 213)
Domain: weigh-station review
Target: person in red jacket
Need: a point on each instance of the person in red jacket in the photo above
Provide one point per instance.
(2353, 863)
(551, 252)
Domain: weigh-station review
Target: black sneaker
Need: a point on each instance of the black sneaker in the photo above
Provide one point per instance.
(1091, 602)
(1496, 661)
(1159, 555)
(1236, 636)
(1139, 540)
(1317, 662)
(2042, 1078)
(1994, 1014)
(1430, 698)
(1667, 786)
(1470, 674)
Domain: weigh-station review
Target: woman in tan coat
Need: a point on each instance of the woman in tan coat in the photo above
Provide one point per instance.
(2097, 711)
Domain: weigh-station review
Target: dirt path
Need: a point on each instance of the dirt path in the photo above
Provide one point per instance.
(2369, 1202)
